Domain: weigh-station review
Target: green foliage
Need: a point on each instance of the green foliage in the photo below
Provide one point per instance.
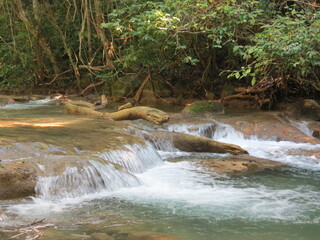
(287, 47)
(204, 107)
(199, 44)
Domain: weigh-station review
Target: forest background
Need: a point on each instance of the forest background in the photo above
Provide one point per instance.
(183, 48)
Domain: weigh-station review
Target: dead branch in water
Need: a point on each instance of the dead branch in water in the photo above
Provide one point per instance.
(34, 230)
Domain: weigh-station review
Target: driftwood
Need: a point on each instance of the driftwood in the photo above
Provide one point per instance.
(102, 103)
(192, 143)
(34, 231)
(78, 110)
(79, 103)
(261, 95)
(125, 106)
(150, 114)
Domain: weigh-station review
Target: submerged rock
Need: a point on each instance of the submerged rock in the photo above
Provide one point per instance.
(17, 180)
(201, 107)
(101, 236)
(150, 236)
(240, 164)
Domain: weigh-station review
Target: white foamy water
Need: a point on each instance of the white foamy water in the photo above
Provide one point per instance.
(28, 105)
(302, 126)
(181, 188)
(136, 158)
(82, 180)
(204, 129)
(272, 150)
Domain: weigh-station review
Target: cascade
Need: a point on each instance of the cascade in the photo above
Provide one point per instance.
(135, 158)
(80, 180)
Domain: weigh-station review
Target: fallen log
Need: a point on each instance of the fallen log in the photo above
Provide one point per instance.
(77, 110)
(147, 113)
(150, 114)
(102, 103)
(192, 143)
(125, 106)
(78, 103)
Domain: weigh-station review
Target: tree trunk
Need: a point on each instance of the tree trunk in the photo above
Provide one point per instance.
(34, 31)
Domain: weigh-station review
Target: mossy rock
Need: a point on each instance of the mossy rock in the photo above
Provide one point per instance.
(204, 107)
(125, 86)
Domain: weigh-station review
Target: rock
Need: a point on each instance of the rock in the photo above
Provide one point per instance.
(150, 236)
(17, 180)
(306, 108)
(240, 164)
(316, 133)
(267, 126)
(192, 143)
(311, 109)
(201, 107)
(101, 236)
(192, 125)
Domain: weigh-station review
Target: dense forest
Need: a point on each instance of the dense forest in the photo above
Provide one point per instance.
(184, 48)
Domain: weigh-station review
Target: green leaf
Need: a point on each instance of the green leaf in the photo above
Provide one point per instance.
(1, 166)
(253, 81)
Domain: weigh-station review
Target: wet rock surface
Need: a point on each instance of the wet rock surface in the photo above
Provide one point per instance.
(17, 180)
(239, 164)
(267, 126)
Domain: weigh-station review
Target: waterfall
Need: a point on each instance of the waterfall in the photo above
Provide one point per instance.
(135, 158)
(203, 129)
(81, 180)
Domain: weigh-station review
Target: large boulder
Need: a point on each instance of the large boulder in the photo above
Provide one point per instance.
(267, 126)
(306, 108)
(17, 180)
(239, 164)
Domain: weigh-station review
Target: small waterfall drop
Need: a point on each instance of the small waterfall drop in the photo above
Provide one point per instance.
(135, 158)
(81, 180)
(203, 129)
(28, 105)
(225, 131)
(302, 126)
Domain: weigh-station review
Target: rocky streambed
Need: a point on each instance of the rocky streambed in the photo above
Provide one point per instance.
(92, 178)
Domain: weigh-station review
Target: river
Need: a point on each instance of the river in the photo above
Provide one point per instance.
(163, 190)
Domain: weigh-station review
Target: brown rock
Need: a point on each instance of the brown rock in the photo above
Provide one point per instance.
(240, 164)
(267, 126)
(17, 180)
